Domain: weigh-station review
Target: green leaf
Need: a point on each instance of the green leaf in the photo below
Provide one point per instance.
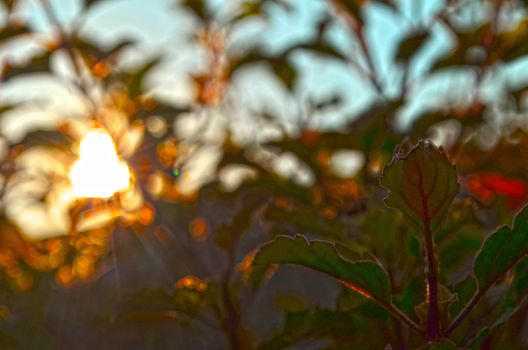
(410, 45)
(365, 277)
(366, 309)
(498, 315)
(459, 238)
(501, 251)
(464, 290)
(422, 184)
(520, 281)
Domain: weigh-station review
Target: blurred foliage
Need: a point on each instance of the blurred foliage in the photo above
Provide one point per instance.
(169, 264)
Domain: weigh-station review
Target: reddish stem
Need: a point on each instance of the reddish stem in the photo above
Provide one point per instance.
(433, 317)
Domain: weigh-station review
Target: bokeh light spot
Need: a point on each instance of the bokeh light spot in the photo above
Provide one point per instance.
(99, 173)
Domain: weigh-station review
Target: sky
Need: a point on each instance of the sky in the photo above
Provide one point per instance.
(159, 27)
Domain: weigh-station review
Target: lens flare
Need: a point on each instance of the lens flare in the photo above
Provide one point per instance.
(98, 173)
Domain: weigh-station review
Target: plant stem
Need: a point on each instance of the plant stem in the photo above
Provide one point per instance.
(66, 44)
(393, 310)
(231, 322)
(433, 317)
(397, 313)
(465, 311)
(478, 296)
(232, 318)
(356, 27)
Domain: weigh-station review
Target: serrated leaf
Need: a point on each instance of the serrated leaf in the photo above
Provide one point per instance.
(422, 184)
(365, 277)
(501, 251)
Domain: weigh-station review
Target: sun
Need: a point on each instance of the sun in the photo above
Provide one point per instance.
(98, 173)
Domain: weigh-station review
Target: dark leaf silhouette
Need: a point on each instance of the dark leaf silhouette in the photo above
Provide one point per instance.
(422, 185)
(365, 277)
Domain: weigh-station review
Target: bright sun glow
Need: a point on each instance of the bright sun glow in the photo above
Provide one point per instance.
(99, 173)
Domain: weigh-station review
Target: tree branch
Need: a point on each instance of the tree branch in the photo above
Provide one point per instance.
(356, 27)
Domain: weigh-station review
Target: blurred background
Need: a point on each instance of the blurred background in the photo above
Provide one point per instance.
(149, 147)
